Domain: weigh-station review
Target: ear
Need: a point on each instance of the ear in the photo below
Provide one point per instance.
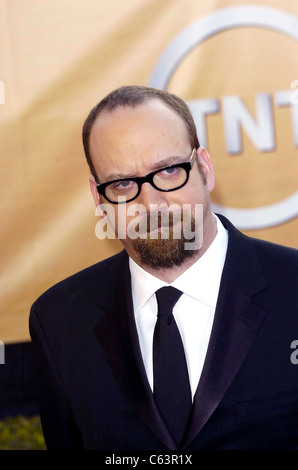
(206, 167)
(96, 197)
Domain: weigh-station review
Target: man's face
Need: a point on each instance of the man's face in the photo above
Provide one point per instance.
(130, 142)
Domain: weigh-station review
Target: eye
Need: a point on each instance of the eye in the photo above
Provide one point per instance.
(122, 185)
(170, 171)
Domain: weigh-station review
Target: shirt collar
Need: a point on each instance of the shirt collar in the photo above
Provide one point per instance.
(201, 281)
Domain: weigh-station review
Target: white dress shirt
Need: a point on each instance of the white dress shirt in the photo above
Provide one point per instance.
(194, 311)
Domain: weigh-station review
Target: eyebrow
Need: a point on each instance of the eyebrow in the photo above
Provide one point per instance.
(159, 165)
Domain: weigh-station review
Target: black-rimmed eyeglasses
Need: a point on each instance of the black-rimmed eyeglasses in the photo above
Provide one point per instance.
(169, 178)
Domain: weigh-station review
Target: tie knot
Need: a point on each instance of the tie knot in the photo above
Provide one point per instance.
(166, 299)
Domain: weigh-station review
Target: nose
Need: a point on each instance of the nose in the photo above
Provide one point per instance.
(150, 195)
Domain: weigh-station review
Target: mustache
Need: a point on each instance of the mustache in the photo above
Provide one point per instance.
(162, 225)
(152, 221)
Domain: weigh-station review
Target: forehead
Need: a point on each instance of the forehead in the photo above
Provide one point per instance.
(128, 137)
(153, 115)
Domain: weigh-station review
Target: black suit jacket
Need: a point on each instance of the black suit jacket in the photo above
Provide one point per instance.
(94, 389)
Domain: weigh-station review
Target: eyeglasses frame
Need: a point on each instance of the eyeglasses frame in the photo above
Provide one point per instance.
(140, 180)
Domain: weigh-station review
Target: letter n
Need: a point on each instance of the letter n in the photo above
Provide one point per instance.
(237, 116)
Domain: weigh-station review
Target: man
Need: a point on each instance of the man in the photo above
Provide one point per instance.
(108, 380)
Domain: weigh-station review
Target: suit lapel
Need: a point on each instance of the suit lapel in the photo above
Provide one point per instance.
(235, 327)
(118, 337)
(236, 323)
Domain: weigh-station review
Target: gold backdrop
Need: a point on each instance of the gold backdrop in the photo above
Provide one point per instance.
(58, 59)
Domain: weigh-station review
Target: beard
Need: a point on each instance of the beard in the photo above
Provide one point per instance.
(160, 246)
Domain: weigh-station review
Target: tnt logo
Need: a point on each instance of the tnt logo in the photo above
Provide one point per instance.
(2, 355)
(2, 92)
(248, 122)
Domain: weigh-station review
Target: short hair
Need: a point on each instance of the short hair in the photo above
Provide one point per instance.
(132, 96)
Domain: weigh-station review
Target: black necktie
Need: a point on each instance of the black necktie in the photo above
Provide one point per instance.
(171, 382)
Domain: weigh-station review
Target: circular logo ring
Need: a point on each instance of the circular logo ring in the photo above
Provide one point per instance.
(196, 33)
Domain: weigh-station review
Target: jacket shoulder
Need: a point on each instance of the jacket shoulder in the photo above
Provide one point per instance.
(252, 262)
(85, 283)
(271, 252)
(277, 255)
